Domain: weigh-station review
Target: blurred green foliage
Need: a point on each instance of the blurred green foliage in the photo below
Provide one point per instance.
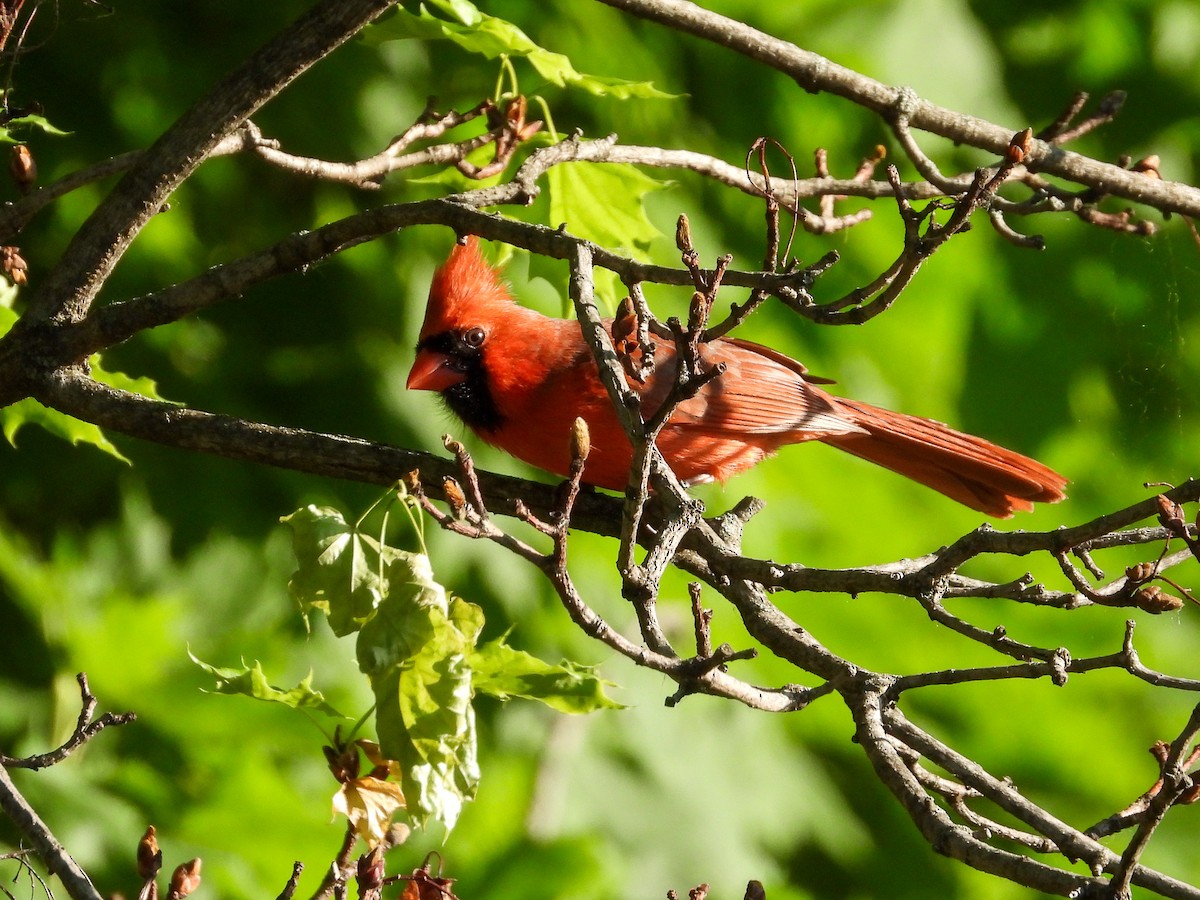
(1078, 355)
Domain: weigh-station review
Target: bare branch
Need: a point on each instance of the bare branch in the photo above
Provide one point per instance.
(69, 289)
(55, 856)
(1174, 782)
(815, 74)
(85, 730)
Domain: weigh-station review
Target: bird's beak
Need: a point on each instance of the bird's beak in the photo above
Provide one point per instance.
(434, 371)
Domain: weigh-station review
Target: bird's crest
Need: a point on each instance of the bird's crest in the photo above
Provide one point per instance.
(463, 289)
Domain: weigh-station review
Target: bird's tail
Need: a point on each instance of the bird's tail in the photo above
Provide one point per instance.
(975, 472)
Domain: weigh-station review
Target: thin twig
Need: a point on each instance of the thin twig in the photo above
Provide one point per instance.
(1174, 782)
(85, 730)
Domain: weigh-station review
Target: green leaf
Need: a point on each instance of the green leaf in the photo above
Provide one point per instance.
(464, 10)
(467, 618)
(604, 204)
(438, 782)
(41, 123)
(416, 657)
(29, 411)
(405, 624)
(503, 672)
(147, 387)
(346, 574)
(252, 682)
(413, 645)
(417, 646)
(36, 123)
(492, 37)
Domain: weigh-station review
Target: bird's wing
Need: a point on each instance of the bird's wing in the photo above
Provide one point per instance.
(761, 392)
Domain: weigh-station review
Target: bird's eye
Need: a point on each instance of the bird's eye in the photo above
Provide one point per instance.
(473, 337)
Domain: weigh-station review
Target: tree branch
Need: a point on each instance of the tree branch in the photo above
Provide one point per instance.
(55, 856)
(85, 730)
(814, 73)
(102, 240)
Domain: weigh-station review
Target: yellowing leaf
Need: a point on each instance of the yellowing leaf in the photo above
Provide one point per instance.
(369, 803)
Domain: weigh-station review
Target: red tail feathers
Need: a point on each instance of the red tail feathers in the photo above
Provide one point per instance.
(975, 472)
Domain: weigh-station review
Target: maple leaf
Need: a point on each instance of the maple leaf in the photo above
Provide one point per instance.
(369, 803)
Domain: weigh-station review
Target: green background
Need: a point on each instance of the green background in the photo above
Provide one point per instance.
(1082, 355)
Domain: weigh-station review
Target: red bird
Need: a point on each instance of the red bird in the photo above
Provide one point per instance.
(518, 379)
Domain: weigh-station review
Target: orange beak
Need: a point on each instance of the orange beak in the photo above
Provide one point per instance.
(434, 371)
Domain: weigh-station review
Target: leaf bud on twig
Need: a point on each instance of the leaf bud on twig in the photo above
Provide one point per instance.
(1155, 600)
(1140, 572)
(581, 440)
(22, 166)
(624, 330)
(13, 265)
(185, 879)
(343, 764)
(1019, 146)
(412, 481)
(454, 496)
(698, 311)
(1149, 166)
(149, 857)
(683, 234)
(1170, 515)
(371, 872)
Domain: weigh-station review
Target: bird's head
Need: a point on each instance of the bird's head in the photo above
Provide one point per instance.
(467, 302)
(464, 300)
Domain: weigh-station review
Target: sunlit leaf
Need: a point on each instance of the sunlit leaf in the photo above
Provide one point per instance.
(251, 681)
(417, 646)
(146, 387)
(406, 623)
(492, 37)
(467, 618)
(29, 411)
(346, 573)
(427, 724)
(415, 654)
(37, 123)
(503, 672)
(604, 204)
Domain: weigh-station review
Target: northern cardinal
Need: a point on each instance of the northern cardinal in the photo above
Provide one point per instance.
(519, 379)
